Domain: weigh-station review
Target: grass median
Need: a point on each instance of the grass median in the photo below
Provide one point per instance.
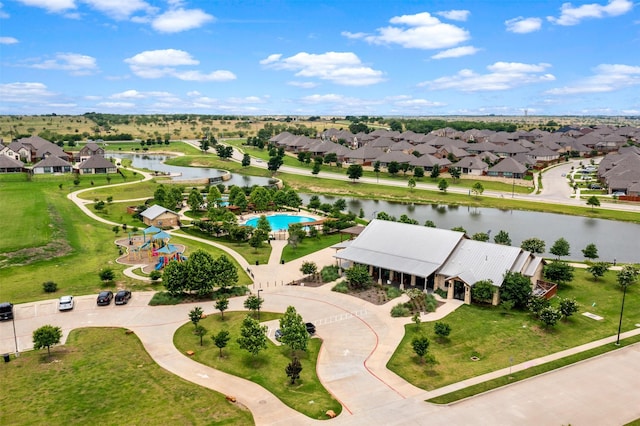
(267, 369)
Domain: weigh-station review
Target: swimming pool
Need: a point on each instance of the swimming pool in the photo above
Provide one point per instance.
(281, 222)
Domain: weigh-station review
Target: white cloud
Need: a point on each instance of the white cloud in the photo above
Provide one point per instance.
(607, 78)
(194, 93)
(303, 84)
(116, 105)
(30, 92)
(3, 14)
(163, 63)
(522, 25)
(8, 40)
(75, 63)
(503, 76)
(455, 15)
(344, 68)
(424, 32)
(456, 52)
(120, 9)
(571, 15)
(177, 20)
(417, 103)
(246, 100)
(128, 94)
(53, 6)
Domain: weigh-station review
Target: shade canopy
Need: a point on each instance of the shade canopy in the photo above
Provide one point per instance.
(151, 230)
(161, 236)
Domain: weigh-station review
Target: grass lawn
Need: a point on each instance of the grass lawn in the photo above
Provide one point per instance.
(309, 245)
(104, 376)
(495, 336)
(307, 396)
(244, 249)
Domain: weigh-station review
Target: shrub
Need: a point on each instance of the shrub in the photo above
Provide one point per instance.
(400, 310)
(329, 273)
(155, 275)
(393, 292)
(49, 287)
(414, 293)
(164, 298)
(442, 329)
(237, 290)
(341, 287)
(430, 303)
(440, 292)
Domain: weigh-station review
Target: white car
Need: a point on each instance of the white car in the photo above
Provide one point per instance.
(65, 303)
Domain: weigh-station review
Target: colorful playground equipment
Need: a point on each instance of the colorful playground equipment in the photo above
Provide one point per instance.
(155, 246)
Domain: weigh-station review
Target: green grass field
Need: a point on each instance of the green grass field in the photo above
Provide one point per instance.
(309, 245)
(496, 337)
(104, 376)
(307, 396)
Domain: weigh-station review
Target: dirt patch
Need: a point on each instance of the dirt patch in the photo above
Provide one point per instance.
(57, 246)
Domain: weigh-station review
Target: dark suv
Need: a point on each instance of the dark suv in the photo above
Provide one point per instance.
(6, 311)
(104, 298)
(122, 297)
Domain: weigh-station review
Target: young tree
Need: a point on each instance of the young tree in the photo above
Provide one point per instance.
(340, 204)
(358, 277)
(393, 168)
(537, 304)
(598, 269)
(442, 330)
(253, 337)
(46, 336)
(274, 164)
(222, 304)
(627, 275)
(420, 346)
(416, 319)
(590, 251)
(107, 275)
(593, 201)
(293, 370)
(354, 171)
(568, 307)
(477, 189)
(411, 183)
(214, 197)
(260, 198)
(482, 291)
(294, 331)
(435, 171)
(455, 173)
(534, 245)
(199, 272)
(480, 236)
(258, 236)
(195, 315)
(221, 339)
(560, 248)
(224, 272)
(550, 316)
(515, 288)
(309, 268)
(418, 172)
(316, 169)
(253, 303)
(429, 224)
(443, 185)
(376, 169)
(200, 331)
(559, 272)
(502, 238)
(246, 160)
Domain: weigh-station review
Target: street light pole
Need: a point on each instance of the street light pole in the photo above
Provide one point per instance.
(259, 303)
(15, 337)
(624, 293)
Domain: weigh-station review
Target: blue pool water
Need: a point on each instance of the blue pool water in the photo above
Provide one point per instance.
(281, 222)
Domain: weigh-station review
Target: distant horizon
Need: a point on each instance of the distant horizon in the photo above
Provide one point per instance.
(331, 58)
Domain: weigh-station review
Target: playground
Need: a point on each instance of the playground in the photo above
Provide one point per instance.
(151, 249)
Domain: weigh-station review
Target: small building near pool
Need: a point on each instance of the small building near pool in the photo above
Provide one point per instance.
(160, 216)
(415, 256)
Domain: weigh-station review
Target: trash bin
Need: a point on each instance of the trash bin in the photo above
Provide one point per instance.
(257, 262)
(6, 357)
(282, 261)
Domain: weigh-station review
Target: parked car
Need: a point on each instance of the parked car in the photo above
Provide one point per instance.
(619, 194)
(122, 297)
(278, 334)
(65, 303)
(104, 298)
(311, 329)
(6, 311)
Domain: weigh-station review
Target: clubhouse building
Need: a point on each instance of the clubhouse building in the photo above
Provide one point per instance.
(415, 256)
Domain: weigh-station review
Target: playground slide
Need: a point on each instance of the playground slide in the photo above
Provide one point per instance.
(159, 265)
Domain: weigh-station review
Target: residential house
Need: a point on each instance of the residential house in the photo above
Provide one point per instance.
(52, 164)
(96, 165)
(160, 217)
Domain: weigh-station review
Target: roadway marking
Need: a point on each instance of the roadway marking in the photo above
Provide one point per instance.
(342, 317)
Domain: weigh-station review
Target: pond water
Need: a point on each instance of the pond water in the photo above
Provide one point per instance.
(155, 162)
(614, 239)
(281, 222)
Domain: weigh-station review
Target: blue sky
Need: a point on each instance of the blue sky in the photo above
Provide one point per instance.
(378, 57)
